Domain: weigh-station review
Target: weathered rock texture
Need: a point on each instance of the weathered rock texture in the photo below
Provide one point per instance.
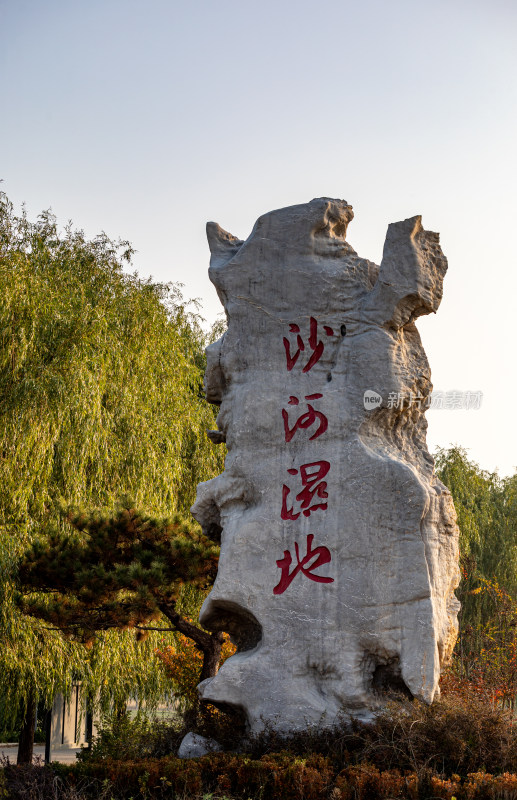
(195, 746)
(339, 546)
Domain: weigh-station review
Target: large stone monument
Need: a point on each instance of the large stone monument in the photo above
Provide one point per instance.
(339, 546)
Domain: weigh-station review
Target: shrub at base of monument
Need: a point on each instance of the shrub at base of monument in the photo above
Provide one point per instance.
(339, 545)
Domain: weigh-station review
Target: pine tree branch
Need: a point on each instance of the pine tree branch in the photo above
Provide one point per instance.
(203, 640)
(147, 628)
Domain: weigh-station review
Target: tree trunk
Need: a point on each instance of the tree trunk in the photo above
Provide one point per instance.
(210, 644)
(26, 740)
(48, 735)
(89, 720)
(212, 656)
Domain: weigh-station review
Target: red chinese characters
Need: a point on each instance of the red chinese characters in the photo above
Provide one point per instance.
(311, 561)
(316, 346)
(314, 488)
(312, 495)
(306, 420)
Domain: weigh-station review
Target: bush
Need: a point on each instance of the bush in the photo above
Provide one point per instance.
(454, 735)
(453, 749)
(124, 737)
(44, 782)
(276, 776)
(451, 736)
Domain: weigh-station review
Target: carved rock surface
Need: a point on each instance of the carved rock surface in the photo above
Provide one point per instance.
(339, 546)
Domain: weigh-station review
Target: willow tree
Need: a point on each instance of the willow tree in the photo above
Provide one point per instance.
(487, 517)
(100, 375)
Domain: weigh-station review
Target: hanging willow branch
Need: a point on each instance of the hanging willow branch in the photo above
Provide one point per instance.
(99, 397)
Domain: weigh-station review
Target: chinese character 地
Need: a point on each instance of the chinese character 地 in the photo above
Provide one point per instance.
(322, 556)
(311, 475)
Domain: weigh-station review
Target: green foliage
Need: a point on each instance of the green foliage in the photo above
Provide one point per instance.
(126, 737)
(100, 375)
(487, 517)
(122, 572)
(484, 664)
(117, 572)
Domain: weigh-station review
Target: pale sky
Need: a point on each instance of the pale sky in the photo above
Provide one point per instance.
(146, 119)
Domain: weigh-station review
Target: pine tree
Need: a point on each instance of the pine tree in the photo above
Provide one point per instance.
(123, 572)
